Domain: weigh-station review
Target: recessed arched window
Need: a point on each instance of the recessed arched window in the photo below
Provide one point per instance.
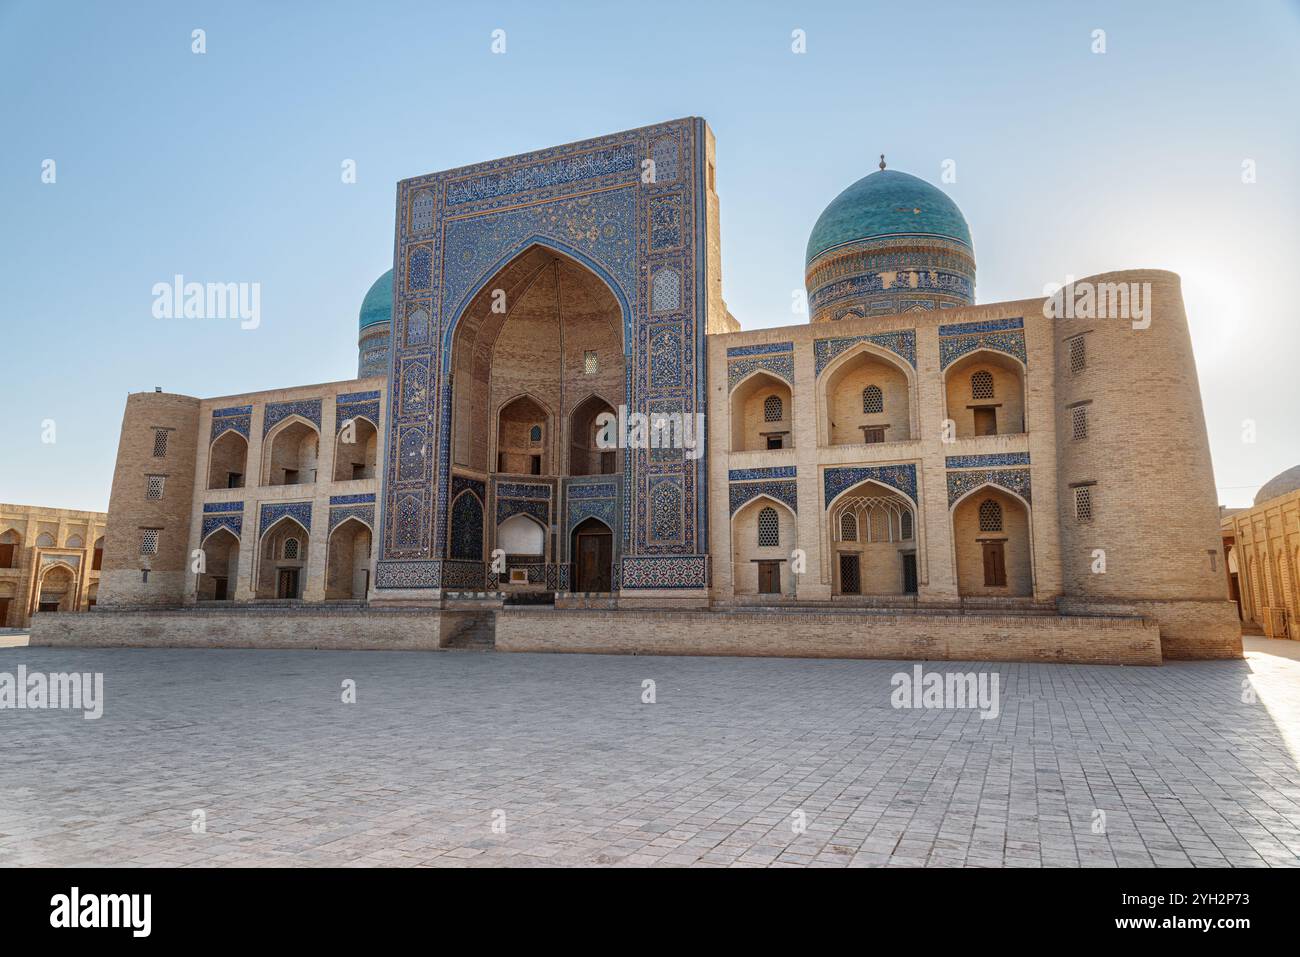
(848, 527)
(45, 540)
(291, 549)
(535, 434)
(768, 528)
(773, 409)
(873, 400)
(990, 516)
(74, 541)
(981, 385)
(905, 526)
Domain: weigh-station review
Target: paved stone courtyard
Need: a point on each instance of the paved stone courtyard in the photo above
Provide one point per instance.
(439, 745)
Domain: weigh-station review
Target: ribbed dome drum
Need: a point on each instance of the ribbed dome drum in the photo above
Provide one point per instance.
(889, 243)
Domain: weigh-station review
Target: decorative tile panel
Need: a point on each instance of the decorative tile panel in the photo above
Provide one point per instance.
(277, 412)
(901, 477)
(238, 418)
(741, 493)
(994, 460)
(901, 343)
(272, 512)
(1013, 480)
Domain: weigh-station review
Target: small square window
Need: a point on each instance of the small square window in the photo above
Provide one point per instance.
(149, 541)
(160, 443)
(1078, 355)
(1079, 422)
(1083, 503)
(590, 364)
(155, 490)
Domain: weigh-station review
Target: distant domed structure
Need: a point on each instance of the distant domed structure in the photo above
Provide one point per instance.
(889, 243)
(375, 325)
(1279, 485)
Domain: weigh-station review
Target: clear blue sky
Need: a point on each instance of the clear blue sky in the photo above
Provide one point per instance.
(226, 167)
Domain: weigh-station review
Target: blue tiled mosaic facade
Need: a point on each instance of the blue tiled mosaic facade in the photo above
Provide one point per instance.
(644, 239)
(902, 343)
(901, 477)
(998, 335)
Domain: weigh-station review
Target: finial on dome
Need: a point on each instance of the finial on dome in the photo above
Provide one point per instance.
(882, 160)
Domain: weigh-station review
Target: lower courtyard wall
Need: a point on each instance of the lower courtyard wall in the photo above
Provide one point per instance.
(1097, 639)
(276, 627)
(858, 634)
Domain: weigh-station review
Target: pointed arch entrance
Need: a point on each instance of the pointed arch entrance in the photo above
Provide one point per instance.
(592, 548)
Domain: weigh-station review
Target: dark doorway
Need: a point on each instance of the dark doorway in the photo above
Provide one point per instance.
(986, 421)
(4, 612)
(769, 578)
(850, 575)
(909, 573)
(593, 557)
(995, 565)
(219, 589)
(287, 587)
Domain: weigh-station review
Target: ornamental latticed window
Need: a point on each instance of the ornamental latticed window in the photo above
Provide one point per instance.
(1078, 355)
(981, 385)
(159, 443)
(1083, 503)
(155, 488)
(768, 528)
(990, 516)
(773, 409)
(149, 541)
(873, 400)
(291, 549)
(1079, 422)
(848, 527)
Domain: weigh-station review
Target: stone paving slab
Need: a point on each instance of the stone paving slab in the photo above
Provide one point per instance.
(1191, 763)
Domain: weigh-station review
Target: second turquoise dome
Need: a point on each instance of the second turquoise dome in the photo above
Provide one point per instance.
(887, 203)
(377, 306)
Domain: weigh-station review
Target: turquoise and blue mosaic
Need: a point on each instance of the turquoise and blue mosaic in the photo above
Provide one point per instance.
(901, 477)
(356, 405)
(760, 475)
(984, 325)
(210, 507)
(902, 343)
(685, 571)
(467, 526)
(507, 507)
(741, 493)
(781, 366)
(237, 418)
(277, 412)
(460, 483)
(585, 201)
(463, 574)
(272, 512)
(760, 349)
(361, 498)
(233, 522)
(1013, 480)
(523, 490)
(863, 286)
(362, 513)
(993, 460)
(952, 348)
(420, 574)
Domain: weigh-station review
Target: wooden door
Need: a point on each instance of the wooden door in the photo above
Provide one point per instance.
(593, 561)
(288, 587)
(995, 565)
(769, 578)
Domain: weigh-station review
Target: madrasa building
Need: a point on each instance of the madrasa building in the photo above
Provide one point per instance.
(909, 474)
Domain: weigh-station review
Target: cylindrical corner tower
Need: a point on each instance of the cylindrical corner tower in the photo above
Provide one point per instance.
(1138, 508)
(146, 544)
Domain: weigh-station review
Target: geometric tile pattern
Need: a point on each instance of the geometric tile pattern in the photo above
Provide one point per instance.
(902, 343)
(994, 460)
(276, 412)
(1013, 480)
(272, 512)
(998, 335)
(238, 418)
(901, 477)
(739, 493)
(587, 201)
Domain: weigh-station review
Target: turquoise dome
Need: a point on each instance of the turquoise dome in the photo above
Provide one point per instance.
(887, 203)
(377, 307)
